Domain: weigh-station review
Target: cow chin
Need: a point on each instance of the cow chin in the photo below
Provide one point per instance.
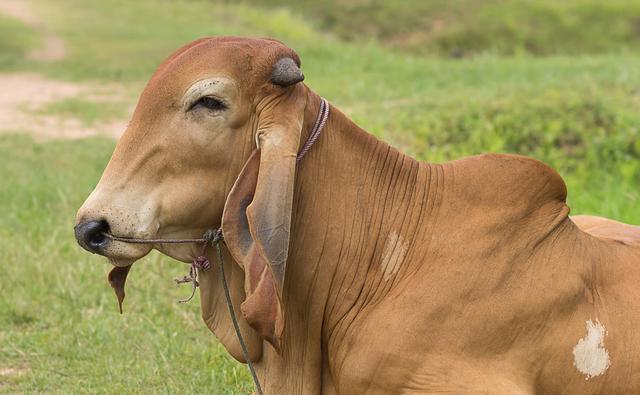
(181, 252)
(125, 254)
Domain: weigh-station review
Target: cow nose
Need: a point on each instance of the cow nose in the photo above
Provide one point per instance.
(90, 235)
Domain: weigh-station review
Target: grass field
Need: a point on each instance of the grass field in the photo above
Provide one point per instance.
(572, 103)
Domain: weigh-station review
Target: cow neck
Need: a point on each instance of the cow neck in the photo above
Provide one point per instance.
(353, 194)
(360, 210)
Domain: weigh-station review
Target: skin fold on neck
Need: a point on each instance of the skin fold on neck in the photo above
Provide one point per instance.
(350, 230)
(362, 211)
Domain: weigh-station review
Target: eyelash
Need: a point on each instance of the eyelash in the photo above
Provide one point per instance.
(210, 103)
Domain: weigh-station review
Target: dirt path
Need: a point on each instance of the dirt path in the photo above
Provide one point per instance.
(52, 45)
(23, 96)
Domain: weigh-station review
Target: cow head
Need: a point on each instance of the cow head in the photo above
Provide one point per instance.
(219, 112)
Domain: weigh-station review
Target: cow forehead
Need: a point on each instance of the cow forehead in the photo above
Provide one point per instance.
(245, 60)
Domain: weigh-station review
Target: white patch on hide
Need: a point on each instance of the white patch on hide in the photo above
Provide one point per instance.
(589, 355)
(393, 254)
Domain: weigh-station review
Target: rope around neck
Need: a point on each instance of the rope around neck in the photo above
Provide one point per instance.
(318, 126)
(214, 237)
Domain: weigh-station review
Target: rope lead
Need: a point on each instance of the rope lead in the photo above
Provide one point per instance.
(227, 294)
(214, 237)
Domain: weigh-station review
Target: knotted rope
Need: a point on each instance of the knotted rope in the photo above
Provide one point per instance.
(213, 237)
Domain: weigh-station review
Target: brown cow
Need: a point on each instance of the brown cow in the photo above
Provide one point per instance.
(402, 277)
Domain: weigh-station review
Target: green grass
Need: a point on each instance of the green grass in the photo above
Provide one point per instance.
(119, 40)
(129, 43)
(58, 318)
(15, 42)
(89, 112)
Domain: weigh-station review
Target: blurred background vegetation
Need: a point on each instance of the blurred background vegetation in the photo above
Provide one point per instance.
(462, 28)
(556, 80)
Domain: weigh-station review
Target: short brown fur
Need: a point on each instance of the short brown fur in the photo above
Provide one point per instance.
(402, 277)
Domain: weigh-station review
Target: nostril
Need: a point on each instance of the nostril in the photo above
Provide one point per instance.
(96, 237)
(90, 235)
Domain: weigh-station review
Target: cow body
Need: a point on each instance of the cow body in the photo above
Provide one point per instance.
(466, 277)
(402, 277)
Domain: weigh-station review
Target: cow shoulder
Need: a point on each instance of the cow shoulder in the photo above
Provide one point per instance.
(500, 188)
(504, 177)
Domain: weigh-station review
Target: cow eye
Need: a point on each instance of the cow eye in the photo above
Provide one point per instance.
(210, 103)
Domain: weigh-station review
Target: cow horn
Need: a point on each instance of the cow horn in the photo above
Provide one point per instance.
(286, 72)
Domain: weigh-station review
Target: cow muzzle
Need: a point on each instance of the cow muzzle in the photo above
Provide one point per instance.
(91, 235)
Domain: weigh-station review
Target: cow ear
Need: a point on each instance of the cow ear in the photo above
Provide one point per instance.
(257, 215)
